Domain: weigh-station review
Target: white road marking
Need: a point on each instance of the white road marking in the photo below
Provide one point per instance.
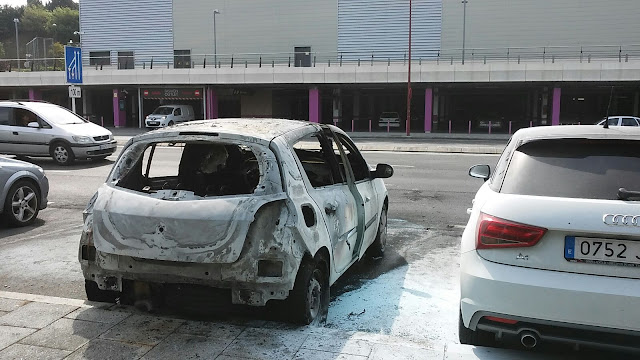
(422, 153)
(402, 166)
(45, 234)
(57, 171)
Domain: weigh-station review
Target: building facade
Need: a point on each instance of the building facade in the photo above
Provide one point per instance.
(524, 63)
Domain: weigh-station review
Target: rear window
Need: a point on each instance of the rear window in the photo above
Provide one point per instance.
(590, 169)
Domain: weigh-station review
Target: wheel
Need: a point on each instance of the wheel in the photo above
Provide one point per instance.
(62, 154)
(380, 243)
(170, 123)
(470, 337)
(309, 299)
(95, 294)
(22, 203)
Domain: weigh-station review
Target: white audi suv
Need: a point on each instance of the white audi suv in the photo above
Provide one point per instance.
(551, 251)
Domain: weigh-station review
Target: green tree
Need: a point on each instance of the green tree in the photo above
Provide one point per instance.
(7, 28)
(66, 21)
(36, 3)
(35, 20)
(54, 4)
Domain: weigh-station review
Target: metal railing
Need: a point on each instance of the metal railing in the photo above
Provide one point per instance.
(542, 54)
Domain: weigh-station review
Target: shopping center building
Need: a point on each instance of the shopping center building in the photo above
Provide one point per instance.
(477, 66)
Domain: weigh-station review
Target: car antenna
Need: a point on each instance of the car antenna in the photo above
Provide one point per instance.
(606, 118)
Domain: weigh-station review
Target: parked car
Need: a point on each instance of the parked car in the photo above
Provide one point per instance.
(271, 210)
(495, 124)
(38, 128)
(621, 121)
(390, 119)
(23, 191)
(167, 115)
(551, 251)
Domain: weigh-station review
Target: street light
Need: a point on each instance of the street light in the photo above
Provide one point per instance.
(464, 26)
(215, 41)
(79, 33)
(16, 21)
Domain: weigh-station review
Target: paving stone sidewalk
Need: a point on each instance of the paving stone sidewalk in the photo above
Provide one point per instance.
(43, 327)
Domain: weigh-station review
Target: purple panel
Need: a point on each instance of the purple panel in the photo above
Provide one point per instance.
(35, 94)
(555, 107)
(119, 117)
(314, 105)
(428, 109)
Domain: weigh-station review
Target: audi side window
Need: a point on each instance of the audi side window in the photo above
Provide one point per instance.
(629, 122)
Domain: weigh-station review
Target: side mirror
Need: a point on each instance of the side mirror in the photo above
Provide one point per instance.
(383, 171)
(480, 171)
(34, 124)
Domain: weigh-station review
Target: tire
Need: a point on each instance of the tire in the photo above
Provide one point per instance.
(22, 204)
(470, 337)
(62, 154)
(380, 243)
(95, 294)
(170, 123)
(309, 299)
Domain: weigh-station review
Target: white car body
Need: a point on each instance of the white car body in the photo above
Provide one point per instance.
(218, 230)
(541, 292)
(169, 114)
(622, 121)
(389, 119)
(54, 131)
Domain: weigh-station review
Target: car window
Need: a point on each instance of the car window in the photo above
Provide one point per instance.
(177, 112)
(163, 110)
(358, 164)
(574, 168)
(5, 115)
(57, 114)
(22, 117)
(315, 153)
(629, 122)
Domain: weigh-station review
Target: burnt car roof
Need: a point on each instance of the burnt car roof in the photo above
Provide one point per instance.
(264, 129)
(594, 132)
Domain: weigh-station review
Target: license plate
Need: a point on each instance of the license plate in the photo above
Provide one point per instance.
(153, 123)
(602, 251)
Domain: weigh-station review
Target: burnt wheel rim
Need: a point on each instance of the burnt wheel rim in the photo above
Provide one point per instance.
(382, 232)
(24, 203)
(61, 154)
(314, 296)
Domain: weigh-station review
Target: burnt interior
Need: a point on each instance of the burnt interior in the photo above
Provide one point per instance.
(206, 169)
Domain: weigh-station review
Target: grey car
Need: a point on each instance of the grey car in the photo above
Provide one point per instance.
(23, 191)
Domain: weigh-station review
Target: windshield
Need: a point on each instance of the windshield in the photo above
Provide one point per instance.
(163, 110)
(57, 114)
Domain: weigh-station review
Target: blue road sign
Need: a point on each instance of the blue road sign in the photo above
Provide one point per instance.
(73, 64)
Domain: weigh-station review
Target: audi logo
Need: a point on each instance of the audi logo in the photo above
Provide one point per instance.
(621, 220)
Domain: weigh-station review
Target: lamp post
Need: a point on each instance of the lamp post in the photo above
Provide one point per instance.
(408, 124)
(215, 40)
(16, 21)
(79, 33)
(464, 26)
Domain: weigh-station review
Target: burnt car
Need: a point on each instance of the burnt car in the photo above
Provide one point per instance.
(266, 209)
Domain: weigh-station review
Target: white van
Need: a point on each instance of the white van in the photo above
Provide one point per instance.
(38, 128)
(167, 115)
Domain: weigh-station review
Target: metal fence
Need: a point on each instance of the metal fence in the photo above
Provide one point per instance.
(550, 54)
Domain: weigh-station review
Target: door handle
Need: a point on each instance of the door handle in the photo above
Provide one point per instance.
(367, 199)
(15, 133)
(330, 208)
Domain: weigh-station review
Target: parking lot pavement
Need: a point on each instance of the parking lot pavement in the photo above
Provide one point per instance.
(44, 327)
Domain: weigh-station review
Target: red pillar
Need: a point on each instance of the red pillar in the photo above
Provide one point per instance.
(555, 106)
(428, 109)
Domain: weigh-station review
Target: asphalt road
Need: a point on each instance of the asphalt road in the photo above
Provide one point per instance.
(429, 195)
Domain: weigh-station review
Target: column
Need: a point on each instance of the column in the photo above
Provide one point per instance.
(211, 104)
(119, 116)
(356, 108)
(314, 105)
(428, 109)
(555, 106)
(636, 103)
(35, 94)
(337, 109)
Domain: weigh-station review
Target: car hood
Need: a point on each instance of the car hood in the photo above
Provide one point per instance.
(85, 129)
(16, 164)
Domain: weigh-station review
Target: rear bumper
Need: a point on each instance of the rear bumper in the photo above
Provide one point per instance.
(547, 296)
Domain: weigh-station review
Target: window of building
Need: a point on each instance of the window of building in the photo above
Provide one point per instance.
(182, 59)
(99, 58)
(125, 60)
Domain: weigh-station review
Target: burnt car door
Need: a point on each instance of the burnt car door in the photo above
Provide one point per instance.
(328, 186)
(351, 158)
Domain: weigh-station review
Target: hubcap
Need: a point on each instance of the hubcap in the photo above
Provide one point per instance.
(61, 154)
(24, 203)
(315, 294)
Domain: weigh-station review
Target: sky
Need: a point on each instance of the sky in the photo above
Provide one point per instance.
(20, 2)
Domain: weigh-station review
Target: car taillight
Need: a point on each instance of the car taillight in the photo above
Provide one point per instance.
(494, 233)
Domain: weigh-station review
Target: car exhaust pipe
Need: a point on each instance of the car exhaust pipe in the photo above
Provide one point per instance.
(529, 339)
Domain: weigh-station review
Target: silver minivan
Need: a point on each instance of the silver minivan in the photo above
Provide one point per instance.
(38, 128)
(167, 115)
